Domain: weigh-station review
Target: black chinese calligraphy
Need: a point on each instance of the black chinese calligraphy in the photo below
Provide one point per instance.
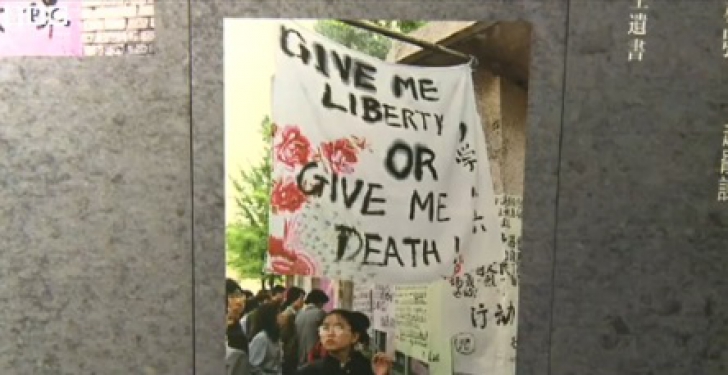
(464, 286)
(487, 276)
(505, 317)
(479, 316)
(382, 296)
(464, 343)
(465, 155)
(2, 19)
(478, 219)
(498, 273)
(510, 208)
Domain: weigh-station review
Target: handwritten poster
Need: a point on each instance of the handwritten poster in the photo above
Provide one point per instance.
(481, 304)
(383, 317)
(383, 308)
(413, 321)
(362, 300)
(419, 334)
(31, 28)
(377, 168)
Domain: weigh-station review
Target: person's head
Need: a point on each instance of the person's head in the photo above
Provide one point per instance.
(278, 293)
(248, 294)
(317, 297)
(267, 320)
(293, 298)
(263, 296)
(250, 305)
(341, 330)
(235, 300)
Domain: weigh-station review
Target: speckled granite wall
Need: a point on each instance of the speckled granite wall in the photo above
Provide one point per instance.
(111, 199)
(95, 211)
(642, 243)
(112, 196)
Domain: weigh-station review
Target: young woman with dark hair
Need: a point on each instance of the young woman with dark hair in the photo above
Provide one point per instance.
(236, 357)
(265, 348)
(293, 299)
(248, 321)
(341, 332)
(292, 304)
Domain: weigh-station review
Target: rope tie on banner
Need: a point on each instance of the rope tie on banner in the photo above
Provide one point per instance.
(474, 62)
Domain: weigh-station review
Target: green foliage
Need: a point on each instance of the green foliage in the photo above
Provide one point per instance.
(247, 237)
(361, 40)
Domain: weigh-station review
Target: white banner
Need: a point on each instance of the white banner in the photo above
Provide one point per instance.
(380, 171)
(482, 304)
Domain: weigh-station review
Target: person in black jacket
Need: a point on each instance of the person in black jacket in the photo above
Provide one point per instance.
(340, 333)
(235, 304)
(236, 357)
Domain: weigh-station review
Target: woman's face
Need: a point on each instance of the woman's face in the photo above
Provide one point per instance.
(298, 305)
(236, 303)
(335, 333)
(281, 319)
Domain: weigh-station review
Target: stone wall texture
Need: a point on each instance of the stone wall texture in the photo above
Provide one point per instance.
(112, 191)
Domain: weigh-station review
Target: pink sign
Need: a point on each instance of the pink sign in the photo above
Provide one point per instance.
(31, 28)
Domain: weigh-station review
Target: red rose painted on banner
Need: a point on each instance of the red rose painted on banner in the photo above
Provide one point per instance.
(283, 259)
(302, 265)
(341, 154)
(286, 196)
(276, 249)
(293, 149)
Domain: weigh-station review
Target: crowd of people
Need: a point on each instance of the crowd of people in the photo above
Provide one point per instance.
(287, 332)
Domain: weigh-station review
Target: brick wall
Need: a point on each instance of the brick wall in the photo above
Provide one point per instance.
(112, 28)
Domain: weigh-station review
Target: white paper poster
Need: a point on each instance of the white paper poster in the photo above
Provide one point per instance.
(383, 319)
